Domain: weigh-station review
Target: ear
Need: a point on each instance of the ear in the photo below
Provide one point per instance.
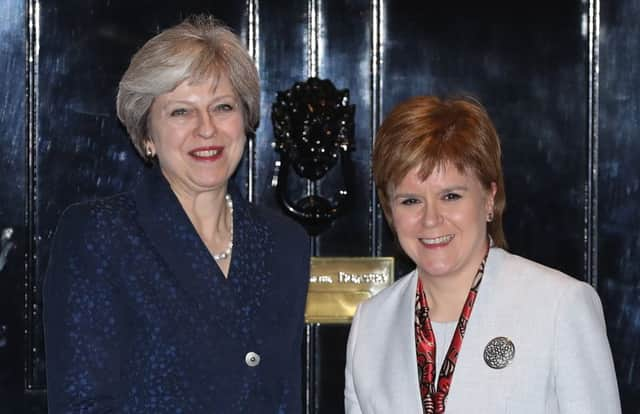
(491, 195)
(149, 148)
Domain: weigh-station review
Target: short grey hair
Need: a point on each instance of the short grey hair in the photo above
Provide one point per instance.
(198, 48)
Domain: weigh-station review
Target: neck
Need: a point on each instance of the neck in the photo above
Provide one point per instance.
(207, 212)
(446, 296)
(214, 224)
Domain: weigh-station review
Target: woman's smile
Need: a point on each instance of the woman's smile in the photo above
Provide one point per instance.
(210, 153)
(198, 133)
(441, 241)
(441, 220)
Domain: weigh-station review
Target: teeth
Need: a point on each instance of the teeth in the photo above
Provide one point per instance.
(206, 153)
(438, 240)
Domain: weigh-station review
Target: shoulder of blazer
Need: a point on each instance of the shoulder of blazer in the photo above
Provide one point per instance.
(284, 230)
(512, 270)
(106, 216)
(277, 221)
(284, 241)
(90, 230)
(394, 295)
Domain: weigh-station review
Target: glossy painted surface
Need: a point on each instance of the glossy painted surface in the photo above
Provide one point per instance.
(619, 191)
(527, 66)
(344, 57)
(282, 61)
(12, 206)
(527, 62)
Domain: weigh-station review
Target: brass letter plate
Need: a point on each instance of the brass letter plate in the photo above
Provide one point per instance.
(339, 284)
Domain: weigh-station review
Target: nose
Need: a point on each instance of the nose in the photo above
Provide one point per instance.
(431, 215)
(207, 125)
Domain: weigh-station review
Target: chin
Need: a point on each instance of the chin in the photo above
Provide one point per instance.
(209, 181)
(437, 271)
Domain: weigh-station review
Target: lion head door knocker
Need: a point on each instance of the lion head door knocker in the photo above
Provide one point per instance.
(313, 129)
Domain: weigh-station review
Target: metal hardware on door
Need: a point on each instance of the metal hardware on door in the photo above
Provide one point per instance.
(313, 126)
(5, 246)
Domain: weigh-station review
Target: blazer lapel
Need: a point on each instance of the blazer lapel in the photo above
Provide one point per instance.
(486, 322)
(402, 350)
(171, 233)
(233, 304)
(251, 271)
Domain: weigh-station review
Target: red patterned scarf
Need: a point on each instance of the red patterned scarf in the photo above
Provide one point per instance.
(433, 402)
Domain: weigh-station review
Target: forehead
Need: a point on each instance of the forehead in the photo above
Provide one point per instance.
(442, 176)
(211, 86)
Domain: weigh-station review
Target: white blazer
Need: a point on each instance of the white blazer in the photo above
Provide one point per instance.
(562, 361)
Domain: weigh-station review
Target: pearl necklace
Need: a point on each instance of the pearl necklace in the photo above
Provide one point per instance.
(227, 252)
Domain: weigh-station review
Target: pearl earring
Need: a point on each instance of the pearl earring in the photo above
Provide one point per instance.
(148, 151)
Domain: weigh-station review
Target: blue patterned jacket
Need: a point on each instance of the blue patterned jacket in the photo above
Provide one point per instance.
(139, 318)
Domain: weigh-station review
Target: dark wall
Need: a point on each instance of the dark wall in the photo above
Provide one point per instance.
(558, 78)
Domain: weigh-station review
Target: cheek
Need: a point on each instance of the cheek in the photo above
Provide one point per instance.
(404, 224)
(475, 218)
(241, 140)
(239, 132)
(463, 218)
(153, 120)
(233, 124)
(235, 148)
(156, 129)
(168, 135)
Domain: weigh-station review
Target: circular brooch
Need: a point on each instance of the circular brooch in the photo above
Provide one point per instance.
(499, 352)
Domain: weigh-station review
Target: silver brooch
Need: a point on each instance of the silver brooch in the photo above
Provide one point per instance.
(499, 352)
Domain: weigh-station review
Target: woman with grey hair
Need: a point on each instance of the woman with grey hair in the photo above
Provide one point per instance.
(179, 296)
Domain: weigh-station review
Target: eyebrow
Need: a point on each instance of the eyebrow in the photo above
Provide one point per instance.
(215, 99)
(455, 188)
(400, 195)
(443, 190)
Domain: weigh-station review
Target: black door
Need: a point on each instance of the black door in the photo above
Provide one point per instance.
(558, 78)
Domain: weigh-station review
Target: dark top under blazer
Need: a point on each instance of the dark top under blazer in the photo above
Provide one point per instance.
(140, 319)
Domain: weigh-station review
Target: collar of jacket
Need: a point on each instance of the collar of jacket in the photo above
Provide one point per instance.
(179, 246)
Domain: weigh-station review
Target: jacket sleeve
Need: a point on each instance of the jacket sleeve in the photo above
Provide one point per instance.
(82, 318)
(351, 403)
(291, 400)
(583, 365)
